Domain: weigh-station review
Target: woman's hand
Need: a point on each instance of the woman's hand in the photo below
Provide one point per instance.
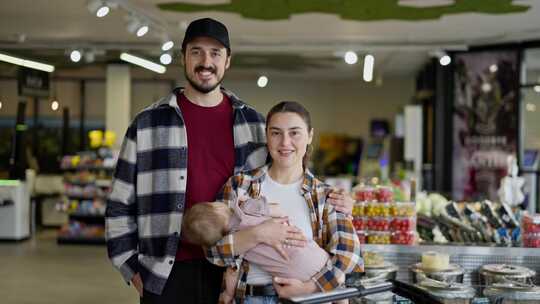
(278, 234)
(342, 201)
(287, 288)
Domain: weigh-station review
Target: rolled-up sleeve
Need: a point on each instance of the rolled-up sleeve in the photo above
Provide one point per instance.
(222, 253)
(343, 245)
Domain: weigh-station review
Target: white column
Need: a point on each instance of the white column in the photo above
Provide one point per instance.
(118, 101)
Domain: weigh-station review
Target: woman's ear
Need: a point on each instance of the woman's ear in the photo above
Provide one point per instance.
(310, 136)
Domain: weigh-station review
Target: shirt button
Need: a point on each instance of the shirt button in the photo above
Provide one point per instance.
(181, 177)
(179, 206)
(171, 262)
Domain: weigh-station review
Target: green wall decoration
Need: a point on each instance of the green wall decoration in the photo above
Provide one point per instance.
(364, 10)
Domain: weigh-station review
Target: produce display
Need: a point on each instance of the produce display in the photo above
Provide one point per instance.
(379, 219)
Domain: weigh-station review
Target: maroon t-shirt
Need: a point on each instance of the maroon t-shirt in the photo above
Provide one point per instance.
(210, 159)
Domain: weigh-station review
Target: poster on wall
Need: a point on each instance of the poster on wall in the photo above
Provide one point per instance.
(485, 122)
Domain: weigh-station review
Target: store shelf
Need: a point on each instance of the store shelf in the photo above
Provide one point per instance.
(80, 240)
(86, 187)
(93, 168)
(87, 217)
(86, 197)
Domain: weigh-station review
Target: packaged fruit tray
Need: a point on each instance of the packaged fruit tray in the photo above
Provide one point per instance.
(376, 237)
(531, 223)
(403, 238)
(403, 224)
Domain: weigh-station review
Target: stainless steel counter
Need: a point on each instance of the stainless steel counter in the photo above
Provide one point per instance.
(469, 257)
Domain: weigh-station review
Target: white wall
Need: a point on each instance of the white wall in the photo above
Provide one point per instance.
(338, 107)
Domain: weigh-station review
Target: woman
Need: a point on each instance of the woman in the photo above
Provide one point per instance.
(303, 198)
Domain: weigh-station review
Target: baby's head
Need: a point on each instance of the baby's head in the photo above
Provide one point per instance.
(206, 223)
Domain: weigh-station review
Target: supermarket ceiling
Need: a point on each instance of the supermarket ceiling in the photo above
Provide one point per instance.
(308, 35)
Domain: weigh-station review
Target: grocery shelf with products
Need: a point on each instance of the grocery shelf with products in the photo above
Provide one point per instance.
(87, 181)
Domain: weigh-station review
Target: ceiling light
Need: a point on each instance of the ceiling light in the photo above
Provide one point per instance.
(167, 45)
(142, 30)
(0, 105)
(531, 107)
(165, 58)
(486, 87)
(537, 88)
(262, 81)
(493, 68)
(445, 60)
(54, 105)
(75, 55)
(27, 63)
(137, 27)
(98, 7)
(147, 64)
(351, 57)
(102, 11)
(369, 63)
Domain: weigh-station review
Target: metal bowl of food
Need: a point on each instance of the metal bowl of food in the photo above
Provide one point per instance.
(453, 274)
(504, 273)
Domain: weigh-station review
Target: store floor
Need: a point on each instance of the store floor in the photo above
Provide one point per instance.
(39, 271)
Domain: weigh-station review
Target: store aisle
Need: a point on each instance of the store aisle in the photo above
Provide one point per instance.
(39, 271)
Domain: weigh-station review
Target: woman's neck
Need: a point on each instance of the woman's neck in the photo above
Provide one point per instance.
(285, 175)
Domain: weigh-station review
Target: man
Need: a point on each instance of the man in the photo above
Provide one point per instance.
(157, 179)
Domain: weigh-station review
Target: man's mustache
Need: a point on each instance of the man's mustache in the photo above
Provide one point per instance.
(203, 68)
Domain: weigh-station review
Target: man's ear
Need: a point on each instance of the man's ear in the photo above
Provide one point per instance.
(228, 63)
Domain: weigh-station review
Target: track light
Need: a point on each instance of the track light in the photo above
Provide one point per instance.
(147, 64)
(165, 58)
(262, 81)
(351, 57)
(75, 55)
(27, 63)
(167, 45)
(137, 27)
(445, 60)
(98, 7)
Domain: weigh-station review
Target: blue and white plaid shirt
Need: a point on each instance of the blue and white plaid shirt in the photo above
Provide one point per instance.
(146, 204)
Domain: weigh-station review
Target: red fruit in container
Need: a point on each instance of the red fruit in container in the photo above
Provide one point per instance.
(366, 194)
(385, 194)
(359, 223)
(403, 224)
(403, 238)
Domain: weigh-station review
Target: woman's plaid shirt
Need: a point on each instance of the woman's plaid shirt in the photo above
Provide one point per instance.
(332, 230)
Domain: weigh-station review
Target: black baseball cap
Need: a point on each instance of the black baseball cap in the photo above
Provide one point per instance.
(207, 27)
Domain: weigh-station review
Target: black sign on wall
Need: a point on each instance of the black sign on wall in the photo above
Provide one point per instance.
(33, 83)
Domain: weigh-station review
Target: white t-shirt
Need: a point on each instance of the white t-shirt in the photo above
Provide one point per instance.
(294, 205)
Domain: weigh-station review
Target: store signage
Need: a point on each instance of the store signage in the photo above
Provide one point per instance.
(485, 121)
(33, 83)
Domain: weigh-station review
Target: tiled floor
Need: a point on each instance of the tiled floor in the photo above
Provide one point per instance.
(39, 271)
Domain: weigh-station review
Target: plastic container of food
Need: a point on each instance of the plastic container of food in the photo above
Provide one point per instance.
(378, 237)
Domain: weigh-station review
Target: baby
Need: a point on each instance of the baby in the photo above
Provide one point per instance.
(206, 223)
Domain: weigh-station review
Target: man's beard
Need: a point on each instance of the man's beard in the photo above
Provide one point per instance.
(205, 89)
